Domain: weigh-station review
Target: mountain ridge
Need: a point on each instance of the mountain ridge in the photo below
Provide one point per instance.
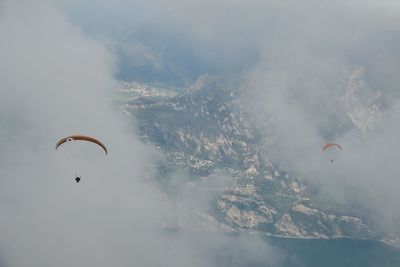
(204, 130)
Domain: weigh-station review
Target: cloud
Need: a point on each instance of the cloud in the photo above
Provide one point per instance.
(306, 58)
(56, 81)
(328, 76)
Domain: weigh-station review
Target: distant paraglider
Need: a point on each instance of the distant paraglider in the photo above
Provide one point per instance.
(330, 146)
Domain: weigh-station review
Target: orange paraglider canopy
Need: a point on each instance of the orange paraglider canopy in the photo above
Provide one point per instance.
(329, 145)
(81, 138)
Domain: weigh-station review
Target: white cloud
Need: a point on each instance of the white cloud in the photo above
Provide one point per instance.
(56, 81)
(308, 50)
(313, 85)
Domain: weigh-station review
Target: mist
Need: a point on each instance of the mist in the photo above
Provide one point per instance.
(57, 75)
(329, 77)
(55, 80)
(319, 71)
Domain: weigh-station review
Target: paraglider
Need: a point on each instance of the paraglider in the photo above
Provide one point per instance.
(81, 138)
(330, 146)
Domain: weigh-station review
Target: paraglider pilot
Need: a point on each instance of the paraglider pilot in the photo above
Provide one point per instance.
(77, 179)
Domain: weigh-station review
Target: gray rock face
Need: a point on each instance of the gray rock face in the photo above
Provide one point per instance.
(205, 129)
(361, 104)
(247, 212)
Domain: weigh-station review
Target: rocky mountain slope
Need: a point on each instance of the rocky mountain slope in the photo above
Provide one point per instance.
(206, 131)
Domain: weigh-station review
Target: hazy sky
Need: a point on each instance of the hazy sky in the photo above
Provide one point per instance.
(313, 55)
(329, 75)
(56, 79)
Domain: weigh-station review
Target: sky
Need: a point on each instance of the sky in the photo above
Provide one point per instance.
(56, 80)
(57, 74)
(326, 71)
(330, 77)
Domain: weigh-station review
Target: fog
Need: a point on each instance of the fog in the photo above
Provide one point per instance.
(55, 80)
(325, 72)
(57, 76)
(329, 77)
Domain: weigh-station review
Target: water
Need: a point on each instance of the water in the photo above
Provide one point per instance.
(249, 250)
(333, 253)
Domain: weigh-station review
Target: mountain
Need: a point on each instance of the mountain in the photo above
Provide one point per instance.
(154, 53)
(206, 131)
